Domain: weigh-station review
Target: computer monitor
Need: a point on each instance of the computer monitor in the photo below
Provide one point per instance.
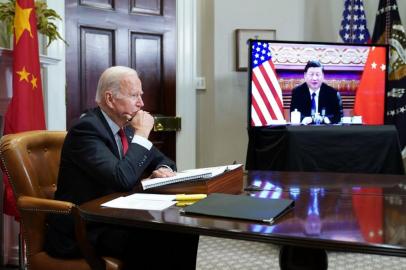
(277, 67)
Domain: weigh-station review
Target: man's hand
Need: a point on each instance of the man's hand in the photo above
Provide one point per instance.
(326, 120)
(307, 120)
(162, 172)
(142, 122)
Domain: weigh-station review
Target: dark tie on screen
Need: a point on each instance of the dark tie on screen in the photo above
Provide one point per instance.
(124, 141)
(313, 108)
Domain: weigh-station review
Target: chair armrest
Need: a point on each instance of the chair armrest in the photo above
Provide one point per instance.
(34, 204)
(44, 205)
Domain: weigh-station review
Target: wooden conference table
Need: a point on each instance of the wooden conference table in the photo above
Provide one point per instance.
(333, 211)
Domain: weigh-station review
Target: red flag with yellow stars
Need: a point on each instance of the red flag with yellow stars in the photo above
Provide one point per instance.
(26, 109)
(370, 95)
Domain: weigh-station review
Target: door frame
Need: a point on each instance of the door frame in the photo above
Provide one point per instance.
(185, 83)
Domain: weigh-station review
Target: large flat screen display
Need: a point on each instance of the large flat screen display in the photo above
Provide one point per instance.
(348, 82)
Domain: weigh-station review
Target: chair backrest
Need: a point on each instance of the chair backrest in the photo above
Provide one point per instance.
(31, 160)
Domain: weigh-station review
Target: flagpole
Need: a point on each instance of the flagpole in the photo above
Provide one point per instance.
(352, 22)
(387, 22)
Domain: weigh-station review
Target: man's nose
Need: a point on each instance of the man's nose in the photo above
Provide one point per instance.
(140, 102)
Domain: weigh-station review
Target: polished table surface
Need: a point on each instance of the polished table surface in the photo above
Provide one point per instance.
(333, 211)
(333, 148)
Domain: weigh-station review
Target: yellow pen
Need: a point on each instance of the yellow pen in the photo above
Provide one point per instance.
(189, 197)
(185, 203)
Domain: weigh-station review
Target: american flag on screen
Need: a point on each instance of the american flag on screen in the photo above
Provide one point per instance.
(354, 24)
(266, 99)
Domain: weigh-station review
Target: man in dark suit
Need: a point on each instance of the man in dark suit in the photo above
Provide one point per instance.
(107, 150)
(315, 100)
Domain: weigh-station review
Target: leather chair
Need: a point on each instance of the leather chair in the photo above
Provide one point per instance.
(31, 162)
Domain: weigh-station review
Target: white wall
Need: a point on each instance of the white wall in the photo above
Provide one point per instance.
(185, 75)
(54, 98)
(222, 107)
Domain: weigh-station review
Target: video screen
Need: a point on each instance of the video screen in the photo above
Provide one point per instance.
(316, 83)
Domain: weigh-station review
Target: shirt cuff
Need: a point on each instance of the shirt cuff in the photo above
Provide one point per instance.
(142, 141)
(165, 166)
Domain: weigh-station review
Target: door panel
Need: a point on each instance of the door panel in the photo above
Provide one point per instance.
(136, 33)
(98, 4)
(146, 6)
(97, 54)
(146, 59)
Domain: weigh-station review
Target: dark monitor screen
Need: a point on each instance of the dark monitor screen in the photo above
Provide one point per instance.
(356, 72)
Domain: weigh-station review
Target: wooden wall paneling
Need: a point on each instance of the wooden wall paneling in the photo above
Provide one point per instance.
(96, 54)
(103, 4)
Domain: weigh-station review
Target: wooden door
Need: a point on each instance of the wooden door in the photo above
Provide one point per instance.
(137, 33)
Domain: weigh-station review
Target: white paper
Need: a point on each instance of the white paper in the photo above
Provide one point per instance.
(172, 179)
(154, 197)
(132, 202)
(188, 175)
(233, 166)
(215, 170)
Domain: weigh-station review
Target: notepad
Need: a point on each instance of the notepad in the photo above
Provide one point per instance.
(188, 175)
(241, 206)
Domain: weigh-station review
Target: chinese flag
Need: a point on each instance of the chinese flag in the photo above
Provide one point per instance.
(368, 209)
(370, 96)
(26, 110)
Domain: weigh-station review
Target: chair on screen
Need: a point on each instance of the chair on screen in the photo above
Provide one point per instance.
(31, 162)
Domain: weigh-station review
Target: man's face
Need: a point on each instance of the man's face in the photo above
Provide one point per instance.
(314, 77)
(128, 101)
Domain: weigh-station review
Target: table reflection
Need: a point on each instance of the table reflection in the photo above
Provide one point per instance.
(330, 182)
(364, 215)
(344, 217)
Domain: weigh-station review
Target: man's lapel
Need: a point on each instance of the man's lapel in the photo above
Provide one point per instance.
(112, 141)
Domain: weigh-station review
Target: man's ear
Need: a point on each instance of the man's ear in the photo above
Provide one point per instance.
(109, 99)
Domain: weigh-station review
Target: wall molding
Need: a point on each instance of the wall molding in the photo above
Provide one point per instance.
(185, 87)
(7, 56)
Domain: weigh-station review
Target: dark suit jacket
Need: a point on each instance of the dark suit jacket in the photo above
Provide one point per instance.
(329, 99)
(90, 168)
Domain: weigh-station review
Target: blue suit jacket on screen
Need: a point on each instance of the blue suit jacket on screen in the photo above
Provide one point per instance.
(329, 99)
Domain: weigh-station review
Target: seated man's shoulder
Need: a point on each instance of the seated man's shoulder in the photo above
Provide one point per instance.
(89, 113)
(300, 87)
(89, 121)
(330, 89)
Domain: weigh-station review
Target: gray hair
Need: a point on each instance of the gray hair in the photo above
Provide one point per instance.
(110, 80)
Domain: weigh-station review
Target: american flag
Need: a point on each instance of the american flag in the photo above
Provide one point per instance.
(354, 24)
(266, 99)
